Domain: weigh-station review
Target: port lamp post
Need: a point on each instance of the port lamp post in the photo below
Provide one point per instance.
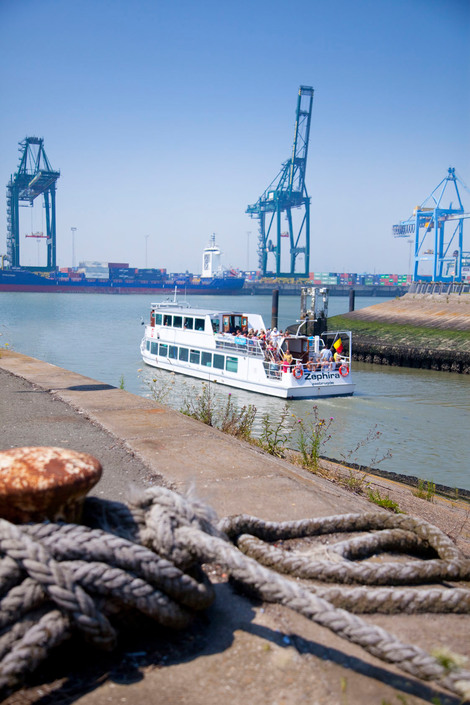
(146, 250)
(74, 230)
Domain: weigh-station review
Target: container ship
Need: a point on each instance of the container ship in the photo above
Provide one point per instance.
(119, 278)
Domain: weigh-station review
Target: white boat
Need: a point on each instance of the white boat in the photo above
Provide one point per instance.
(220, 346)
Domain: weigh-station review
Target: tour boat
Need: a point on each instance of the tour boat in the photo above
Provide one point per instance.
(222, 347)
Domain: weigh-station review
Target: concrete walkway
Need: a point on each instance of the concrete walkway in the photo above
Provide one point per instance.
(240, 651)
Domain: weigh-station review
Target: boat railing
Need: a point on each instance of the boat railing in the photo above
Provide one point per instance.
(240, 345)
(272, 370)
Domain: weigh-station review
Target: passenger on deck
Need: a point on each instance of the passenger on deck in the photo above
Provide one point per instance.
(286, 361)
(313, 361)
(275, 337)
(269, 351)
(326, 358)
(338, 360)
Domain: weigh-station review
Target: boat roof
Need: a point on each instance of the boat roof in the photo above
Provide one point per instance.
(187, 308)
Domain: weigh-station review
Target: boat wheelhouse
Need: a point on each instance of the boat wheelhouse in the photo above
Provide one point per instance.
(231, 348)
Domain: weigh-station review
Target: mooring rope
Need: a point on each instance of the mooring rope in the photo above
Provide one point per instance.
(60, 579)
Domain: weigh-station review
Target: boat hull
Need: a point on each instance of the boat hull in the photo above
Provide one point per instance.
(310, 386)
(216, 346)
(25, 281)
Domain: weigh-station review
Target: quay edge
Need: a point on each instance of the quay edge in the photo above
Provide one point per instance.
(241, 647)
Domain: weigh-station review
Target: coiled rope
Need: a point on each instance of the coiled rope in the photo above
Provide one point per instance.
(60, 579)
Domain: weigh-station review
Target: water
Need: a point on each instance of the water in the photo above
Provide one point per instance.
(422, 416)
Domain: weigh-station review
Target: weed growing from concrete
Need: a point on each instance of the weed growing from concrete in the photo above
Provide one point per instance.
(159, 386)
(313, 435)
(4, 346)
(355, 482)
(121, 382)
(448, 659)
(202, 406)
(274, 435)
(226, 417)
(385, 502)
(237, 422)
(428, 493)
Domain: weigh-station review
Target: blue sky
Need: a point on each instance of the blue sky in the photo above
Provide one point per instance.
(167, 118)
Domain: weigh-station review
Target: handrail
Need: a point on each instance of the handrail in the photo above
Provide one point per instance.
(271, 373)
(250, 347)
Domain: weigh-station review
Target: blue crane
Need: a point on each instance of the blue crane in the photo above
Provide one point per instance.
(438, 234)
(285, 192)
(33, 178)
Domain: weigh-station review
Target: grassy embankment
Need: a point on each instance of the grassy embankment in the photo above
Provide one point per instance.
(397, 334)
(406, 345)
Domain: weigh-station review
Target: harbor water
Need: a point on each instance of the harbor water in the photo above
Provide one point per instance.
(418, 417)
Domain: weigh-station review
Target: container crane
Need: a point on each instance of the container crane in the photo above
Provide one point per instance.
(287, 191)
(33, 178)
(438, 233)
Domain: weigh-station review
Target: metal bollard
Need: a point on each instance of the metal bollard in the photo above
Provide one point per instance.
(45, 483)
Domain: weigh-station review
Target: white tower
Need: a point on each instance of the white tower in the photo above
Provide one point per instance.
(211, 259)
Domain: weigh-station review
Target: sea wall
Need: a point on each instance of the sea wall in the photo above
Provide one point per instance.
(429, 331)
(409, 356)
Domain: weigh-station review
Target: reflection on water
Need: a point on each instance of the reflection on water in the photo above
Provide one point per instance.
(422, 416)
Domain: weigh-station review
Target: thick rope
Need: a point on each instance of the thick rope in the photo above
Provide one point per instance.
(57, 580)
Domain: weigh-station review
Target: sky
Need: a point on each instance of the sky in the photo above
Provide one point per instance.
(167, 118)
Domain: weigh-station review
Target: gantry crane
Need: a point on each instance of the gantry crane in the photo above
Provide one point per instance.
(438, 233)
(33, 178)
(287, 191)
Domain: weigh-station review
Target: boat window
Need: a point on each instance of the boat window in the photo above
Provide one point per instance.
(188, 323)
(219, 361)
(231, 364)
(177, 321)
(215, 325)
(206, 359)
(198, 324)
(184, 354)
(163, 350)
(194, 356)
(167, 320)
(173, 352)
(158, 319)
(147, 345)
(226, 323)
(154, 348)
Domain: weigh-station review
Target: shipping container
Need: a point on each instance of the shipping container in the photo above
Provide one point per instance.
(118, 265)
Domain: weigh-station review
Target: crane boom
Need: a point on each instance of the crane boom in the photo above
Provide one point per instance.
(287, 192)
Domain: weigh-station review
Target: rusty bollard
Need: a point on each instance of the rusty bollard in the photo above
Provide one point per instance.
(45, 483)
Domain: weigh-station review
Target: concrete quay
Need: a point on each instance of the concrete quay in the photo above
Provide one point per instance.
(240, 651)
(440, 311)
(428, 331)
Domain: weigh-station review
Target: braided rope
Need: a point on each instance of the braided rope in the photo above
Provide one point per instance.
(60, 579)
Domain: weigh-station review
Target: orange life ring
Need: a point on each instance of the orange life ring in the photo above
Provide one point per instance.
(344, 370)
(297, 372)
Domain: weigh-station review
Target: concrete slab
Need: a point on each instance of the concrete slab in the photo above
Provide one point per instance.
(240, 650)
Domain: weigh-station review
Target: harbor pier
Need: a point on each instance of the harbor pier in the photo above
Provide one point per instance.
(241, 650)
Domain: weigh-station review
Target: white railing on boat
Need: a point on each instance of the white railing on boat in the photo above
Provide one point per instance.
(240, 345)
(272, 370)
